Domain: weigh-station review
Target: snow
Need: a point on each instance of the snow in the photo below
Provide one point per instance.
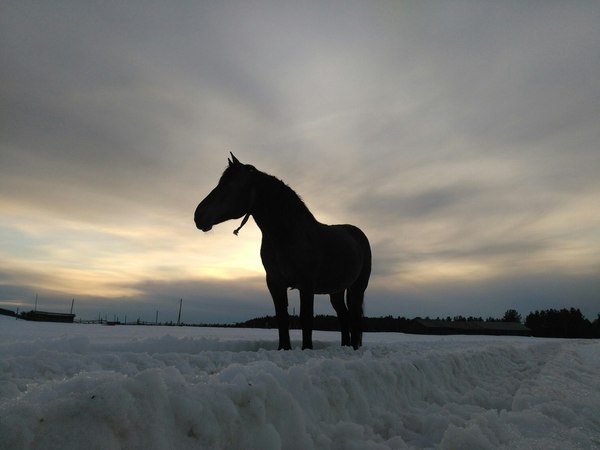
(72, 386)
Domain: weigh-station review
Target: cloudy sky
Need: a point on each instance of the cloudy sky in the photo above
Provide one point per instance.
(462, 137)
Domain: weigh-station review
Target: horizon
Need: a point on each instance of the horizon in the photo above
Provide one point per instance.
(158, 318)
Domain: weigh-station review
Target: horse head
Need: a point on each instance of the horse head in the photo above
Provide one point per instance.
(232, 198)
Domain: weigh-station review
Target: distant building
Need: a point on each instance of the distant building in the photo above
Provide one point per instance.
(425, 326)
(46, 316)
(7, 312)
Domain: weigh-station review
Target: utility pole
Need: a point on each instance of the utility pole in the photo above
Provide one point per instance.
(179, 315)
(72, 302)
(156, 317)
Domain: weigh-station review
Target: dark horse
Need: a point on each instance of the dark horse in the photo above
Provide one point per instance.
(297, 251)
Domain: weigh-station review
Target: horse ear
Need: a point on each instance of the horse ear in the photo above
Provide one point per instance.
(234, 160)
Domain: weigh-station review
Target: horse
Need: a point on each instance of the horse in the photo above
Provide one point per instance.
(297, 251)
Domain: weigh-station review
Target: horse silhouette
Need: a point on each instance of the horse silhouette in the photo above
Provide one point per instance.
(297, 251)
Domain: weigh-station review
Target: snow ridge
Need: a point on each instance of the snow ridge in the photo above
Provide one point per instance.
(222, 391)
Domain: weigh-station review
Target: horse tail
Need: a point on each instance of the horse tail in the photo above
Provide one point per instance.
(356, 292)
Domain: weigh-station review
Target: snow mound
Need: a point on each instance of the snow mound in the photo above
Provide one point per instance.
(83, 386)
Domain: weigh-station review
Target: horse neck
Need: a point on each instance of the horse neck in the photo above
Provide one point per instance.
(278, 210)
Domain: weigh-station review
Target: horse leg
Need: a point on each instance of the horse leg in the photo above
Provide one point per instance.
(307, 298)
(337, 301)
(280, 300)
(355, 298)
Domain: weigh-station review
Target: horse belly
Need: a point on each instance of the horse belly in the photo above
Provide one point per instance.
(330, 263)
(331, 279)
(286, 266)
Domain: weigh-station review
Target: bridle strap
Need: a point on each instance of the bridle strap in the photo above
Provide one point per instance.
(245, 219)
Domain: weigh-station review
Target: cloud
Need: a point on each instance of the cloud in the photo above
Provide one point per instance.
(462, 138)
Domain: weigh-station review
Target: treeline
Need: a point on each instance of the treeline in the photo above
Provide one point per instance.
(564, 323)
(331, 323)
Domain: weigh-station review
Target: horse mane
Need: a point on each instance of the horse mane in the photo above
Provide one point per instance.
(278, 194)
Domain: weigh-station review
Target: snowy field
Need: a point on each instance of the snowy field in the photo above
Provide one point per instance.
(71, 386)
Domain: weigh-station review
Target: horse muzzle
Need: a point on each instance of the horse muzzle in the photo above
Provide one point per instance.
(203, 226)
(202, 222)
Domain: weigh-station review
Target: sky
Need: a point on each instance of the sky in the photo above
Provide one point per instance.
(461, 136)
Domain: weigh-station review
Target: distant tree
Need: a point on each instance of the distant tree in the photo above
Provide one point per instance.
(566, 323)
(596, 327)
(511, 316)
